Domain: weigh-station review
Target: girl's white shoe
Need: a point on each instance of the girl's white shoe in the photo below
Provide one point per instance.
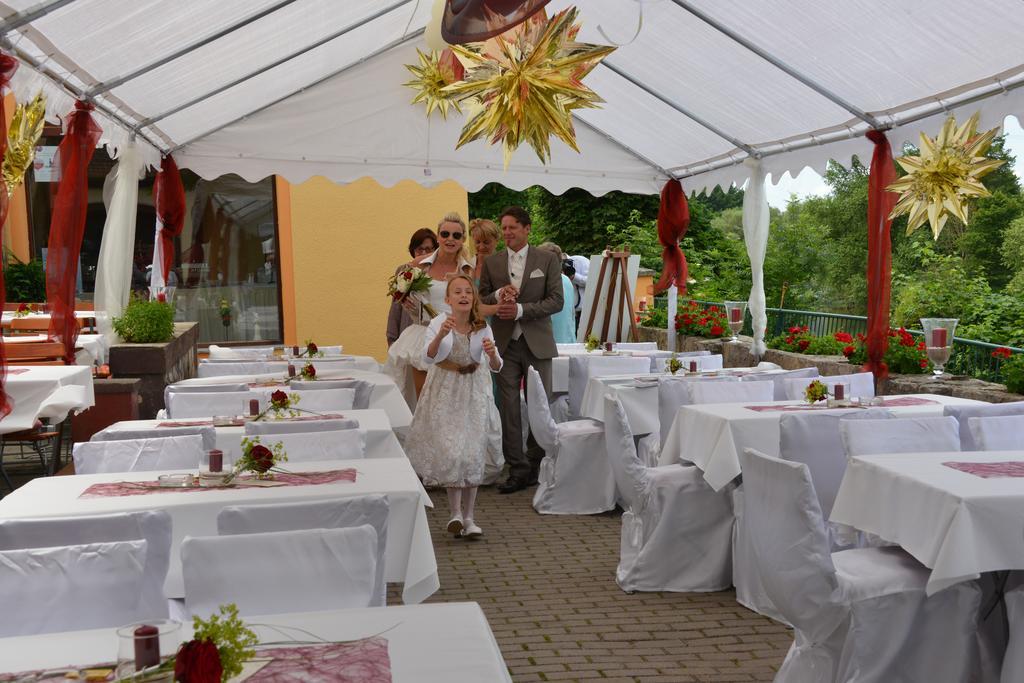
(455, 525)
(471, 530)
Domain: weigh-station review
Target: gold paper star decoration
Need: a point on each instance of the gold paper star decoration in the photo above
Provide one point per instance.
(523, 85)
(940, 182)
(22, 136)
(435, 71)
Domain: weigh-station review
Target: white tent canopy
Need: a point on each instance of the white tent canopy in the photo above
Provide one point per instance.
(314, 87)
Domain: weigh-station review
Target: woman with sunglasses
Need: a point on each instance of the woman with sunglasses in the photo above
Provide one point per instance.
(405, 362)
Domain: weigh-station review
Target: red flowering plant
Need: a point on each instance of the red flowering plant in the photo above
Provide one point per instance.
(1011, 366)
(906, 355)
(709, 322)
(799, 339)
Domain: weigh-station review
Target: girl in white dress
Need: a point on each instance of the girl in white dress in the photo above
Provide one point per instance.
(449, 433)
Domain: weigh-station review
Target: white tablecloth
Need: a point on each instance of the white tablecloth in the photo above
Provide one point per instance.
(712, 435)
(327, 365)
(955, 523)
(8, 316)
(436, 643)
(92, 348)
(410, 553)
(46, 391)
(381, 441)
(639, 399)
(385, 394)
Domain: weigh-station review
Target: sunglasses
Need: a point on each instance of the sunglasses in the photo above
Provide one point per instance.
(454, 235)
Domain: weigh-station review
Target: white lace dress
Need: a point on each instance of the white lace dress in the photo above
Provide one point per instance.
(448, 438)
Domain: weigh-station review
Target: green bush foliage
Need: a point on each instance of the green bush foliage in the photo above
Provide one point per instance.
(24, 282)
(146, 322)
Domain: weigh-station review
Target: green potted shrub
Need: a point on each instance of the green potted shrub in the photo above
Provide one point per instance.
(145, 322)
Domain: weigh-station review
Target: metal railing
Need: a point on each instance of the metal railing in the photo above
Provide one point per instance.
(969, 357)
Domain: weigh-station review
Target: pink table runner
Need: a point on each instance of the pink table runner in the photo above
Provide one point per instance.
(897, 402)
(118, 489)
(989, 470)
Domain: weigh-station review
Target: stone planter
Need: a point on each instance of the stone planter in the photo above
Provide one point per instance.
(157, 365)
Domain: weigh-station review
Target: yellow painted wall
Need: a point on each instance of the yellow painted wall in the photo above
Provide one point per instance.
(345, 242)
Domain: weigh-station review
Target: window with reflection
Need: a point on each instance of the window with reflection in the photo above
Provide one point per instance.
(226, 267)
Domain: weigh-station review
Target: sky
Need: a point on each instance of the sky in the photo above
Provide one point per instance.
(809, 183)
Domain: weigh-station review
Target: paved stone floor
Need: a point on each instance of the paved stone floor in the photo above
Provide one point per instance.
(547, 585)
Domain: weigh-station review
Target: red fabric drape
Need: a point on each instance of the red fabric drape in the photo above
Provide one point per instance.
(169, 200)
(8, 65)
(880, 204)
(67, 224)
(673, 220)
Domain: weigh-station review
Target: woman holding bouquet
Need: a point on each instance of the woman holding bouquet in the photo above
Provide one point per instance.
(405, 362)
(448, 438)
(422, 242)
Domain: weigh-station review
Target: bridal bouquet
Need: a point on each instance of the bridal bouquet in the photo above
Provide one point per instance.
(407, 282)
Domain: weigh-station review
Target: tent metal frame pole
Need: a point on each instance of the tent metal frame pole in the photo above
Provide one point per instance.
(379, 51)
(227, 86)
(78, 95)
(739, 144)
(105, 86)
(13, 23)
(638, 155)
(836, 99)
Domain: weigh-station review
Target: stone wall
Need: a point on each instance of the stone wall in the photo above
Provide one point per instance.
(157, 365)
(738, 355)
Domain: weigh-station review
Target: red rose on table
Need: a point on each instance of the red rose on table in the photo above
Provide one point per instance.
(311, 348)
(23, 308)
(262, 458)
(279, 397)
(309, 371)
(717, 330)
(198, 662)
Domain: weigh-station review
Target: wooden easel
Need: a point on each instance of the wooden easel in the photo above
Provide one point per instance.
(618, 260)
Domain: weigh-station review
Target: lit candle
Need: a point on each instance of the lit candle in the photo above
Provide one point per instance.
(735, 315)
(147, 647)
(693, 366)
(216, 460)
(254, 406)
(291, 370)
(939, 337)
(839, 391)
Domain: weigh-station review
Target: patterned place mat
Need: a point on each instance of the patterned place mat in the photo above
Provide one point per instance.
(120, 489)
(990, 470)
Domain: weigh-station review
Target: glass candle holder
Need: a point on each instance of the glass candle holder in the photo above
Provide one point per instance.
(938, 341)
(734, 312)
(143, 647)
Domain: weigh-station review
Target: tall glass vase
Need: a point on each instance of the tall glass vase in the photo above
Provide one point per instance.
(938, 341)
(734, 312)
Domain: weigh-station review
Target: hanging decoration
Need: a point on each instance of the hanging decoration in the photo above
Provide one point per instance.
(880, 205)
(465, 21)
(435, 71)
(67, 224)
(26, 129)
(8, 65)
(169, 201)
(940, 182)
(523, 85)
(673, 220)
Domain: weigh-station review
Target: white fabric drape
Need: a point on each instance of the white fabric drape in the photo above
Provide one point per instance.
(114, 266)
(755, 234)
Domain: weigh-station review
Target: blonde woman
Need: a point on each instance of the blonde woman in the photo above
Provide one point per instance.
(485, 236)
(405, 357)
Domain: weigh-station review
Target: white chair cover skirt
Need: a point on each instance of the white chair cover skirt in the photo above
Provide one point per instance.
(298, 571)
(779, 379)
(997, 433)
(299, 426)
(582, 368)
(858, 385)
(729, 392)
(72, 587)
(345, 444)
(207, 434)
(902, 435)
(204, 404)
(673, 393)
(138, 455)
(962, 413)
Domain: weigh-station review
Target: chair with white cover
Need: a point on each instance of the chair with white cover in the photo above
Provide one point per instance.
(575, 477)
(711, 361)
(215, 352)
(779, 379)
(676, 530)
(635, 346)
(858, 385)
(858, 615)
(729, 392)
(573, 347)
(964, 412)
(138, 455)
(813, 439)
(182, 405)
(582, 368)
(671, 396)
(202, 388)
(72, 587)
(312, 440)
(299, 571)
(1013, 659)
(207, 433)
(902, 435)
(998, 433)
(364, 389)
(341, 513)
(240, 367)
(152, 526)
(326, 400)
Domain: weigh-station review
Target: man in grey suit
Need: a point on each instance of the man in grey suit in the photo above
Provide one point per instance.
(527, 286)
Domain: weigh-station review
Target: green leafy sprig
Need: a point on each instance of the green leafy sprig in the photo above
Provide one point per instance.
(235, 643)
